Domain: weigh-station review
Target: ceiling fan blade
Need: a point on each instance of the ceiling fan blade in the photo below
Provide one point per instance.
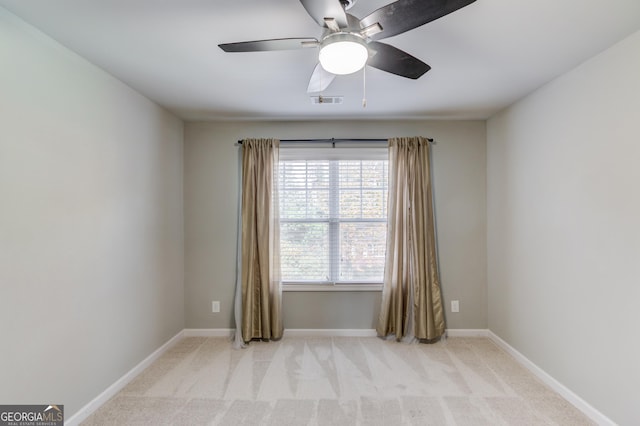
(404, 15)
(396, 61)
(320, 79)
(320, 9)
(267, 45)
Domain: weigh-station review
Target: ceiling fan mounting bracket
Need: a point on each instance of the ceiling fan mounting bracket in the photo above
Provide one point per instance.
(347, 4)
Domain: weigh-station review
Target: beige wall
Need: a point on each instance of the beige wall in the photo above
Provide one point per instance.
(91, 224)
(211, 206)
(564, 229)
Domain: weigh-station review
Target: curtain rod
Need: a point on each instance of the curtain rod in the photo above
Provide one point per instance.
(334, 140)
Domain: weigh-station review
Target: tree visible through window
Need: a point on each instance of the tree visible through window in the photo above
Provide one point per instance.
(333, 220)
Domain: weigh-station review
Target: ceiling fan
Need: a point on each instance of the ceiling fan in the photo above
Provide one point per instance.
(348, 43)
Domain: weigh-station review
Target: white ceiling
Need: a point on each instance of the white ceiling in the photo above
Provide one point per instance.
(483, 57)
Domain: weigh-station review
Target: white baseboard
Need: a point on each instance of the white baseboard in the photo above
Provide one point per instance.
(208, 332)
(467, 332)
(366, 332)
(326, 332)
(566, 393)
(289, 332)
(330, 332)
(99, 400)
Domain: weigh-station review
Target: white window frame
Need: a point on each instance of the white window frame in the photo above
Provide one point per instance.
(333, 153)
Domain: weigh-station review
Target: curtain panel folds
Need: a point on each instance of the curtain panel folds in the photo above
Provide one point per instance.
(411, 298)
(261, 289)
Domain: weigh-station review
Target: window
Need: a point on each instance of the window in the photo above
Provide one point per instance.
(333, 216)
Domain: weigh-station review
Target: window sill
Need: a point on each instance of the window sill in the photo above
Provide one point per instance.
(332, 287)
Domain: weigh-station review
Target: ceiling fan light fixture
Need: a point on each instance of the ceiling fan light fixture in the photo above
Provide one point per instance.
(343, 53)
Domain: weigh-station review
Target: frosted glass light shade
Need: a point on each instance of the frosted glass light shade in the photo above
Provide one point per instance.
(343, 54)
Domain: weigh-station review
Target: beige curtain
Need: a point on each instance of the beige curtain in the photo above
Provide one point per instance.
(261, 299)
(411, 300)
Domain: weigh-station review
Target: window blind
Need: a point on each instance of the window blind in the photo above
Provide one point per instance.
(333, 216)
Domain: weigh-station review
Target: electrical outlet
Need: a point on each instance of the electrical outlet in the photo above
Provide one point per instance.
(455, 306)
(215, 306)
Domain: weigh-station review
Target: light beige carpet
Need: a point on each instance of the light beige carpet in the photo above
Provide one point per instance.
(336, 381)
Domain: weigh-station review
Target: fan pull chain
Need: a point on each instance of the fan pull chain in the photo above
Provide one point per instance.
(364, 86)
